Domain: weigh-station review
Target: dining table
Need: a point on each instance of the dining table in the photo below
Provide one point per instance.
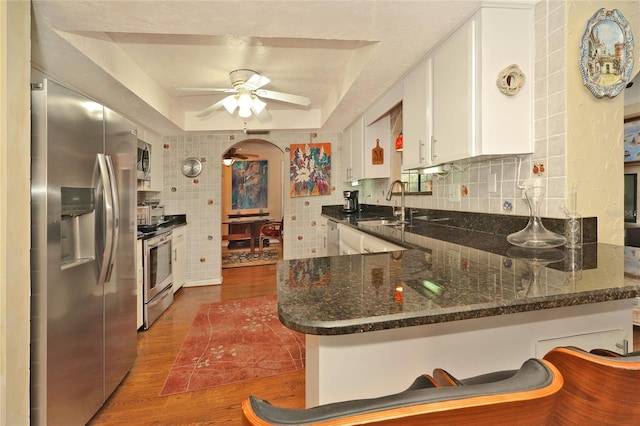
(242, 228)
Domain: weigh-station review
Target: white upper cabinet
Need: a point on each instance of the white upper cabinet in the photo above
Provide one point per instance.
(377, 149)
(416, 116)
(472, 118)
(366, 151)
(352, 146)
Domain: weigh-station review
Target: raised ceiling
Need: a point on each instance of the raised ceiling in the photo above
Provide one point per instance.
(132, 55)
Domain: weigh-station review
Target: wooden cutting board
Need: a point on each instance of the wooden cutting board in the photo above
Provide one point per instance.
(377, 154)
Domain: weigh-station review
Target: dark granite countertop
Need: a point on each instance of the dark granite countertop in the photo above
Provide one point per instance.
(446, 274)
(168, 223)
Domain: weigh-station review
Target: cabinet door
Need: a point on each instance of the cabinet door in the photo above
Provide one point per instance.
(350, 240)
(372, 244)
(453, 110)
(416, 117)
(178, 257)
(357, 147)
(377, 149)
(157, 168)
(346, 155)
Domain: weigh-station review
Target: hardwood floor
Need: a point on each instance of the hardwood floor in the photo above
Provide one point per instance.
(136, 401)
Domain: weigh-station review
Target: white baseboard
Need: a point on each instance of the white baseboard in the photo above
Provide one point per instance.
(202, 283)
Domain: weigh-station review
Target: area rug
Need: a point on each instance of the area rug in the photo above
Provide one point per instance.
(239, 258)
(232, 342)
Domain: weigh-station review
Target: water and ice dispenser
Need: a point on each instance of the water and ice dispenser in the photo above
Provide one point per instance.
(77, 226)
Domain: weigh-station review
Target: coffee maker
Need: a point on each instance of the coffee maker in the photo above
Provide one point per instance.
(350, 201)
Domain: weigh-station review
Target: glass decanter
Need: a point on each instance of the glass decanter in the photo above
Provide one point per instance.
(535, 235)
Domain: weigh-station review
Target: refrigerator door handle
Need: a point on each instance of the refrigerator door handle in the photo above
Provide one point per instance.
(106, 228)
(115, 217)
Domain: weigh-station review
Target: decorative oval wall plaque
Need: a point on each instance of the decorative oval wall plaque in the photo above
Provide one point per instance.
(606, 53)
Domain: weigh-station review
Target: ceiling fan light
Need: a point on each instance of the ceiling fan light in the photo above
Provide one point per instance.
(244, 112)
(244, 100)
(230, 103)
(228, 161)
(258, 105)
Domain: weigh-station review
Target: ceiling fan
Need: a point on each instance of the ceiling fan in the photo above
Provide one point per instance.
(246, 91)
(233, 154)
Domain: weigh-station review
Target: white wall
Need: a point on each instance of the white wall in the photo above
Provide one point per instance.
(14, 212)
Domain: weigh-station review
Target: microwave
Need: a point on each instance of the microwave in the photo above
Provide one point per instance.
(143, 167)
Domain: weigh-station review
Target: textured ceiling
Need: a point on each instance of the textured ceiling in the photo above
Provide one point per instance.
(132, 55)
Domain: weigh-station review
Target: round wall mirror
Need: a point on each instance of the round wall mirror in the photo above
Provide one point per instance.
(191, 167)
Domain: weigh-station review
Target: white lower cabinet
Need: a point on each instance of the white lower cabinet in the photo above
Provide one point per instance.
(350, 240)
(376, 245)
(178, 257)
(614, 340)
(140, 283)
(353, 241)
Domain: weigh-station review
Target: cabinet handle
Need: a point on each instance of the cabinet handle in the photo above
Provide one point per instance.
(433, 148)
(420, 157)
(175, 255)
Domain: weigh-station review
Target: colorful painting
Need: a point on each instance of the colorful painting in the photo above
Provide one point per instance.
(632, 140)
(310, 171)
(249, 185)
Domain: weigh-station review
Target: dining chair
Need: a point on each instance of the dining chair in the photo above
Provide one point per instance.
(598, 389)
(269, 230)
(526, 397)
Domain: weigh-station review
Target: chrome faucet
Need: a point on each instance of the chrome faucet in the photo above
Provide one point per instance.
(402, 217)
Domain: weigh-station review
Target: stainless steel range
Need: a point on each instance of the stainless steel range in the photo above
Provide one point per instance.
(158, 277)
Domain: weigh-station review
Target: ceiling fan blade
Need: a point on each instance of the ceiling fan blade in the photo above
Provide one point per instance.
(263, 116)
(284, 97)
(229, 153)
(256, 81)
(206, 89)
(212, 108)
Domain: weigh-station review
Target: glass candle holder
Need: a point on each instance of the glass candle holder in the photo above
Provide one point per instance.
(573, 230)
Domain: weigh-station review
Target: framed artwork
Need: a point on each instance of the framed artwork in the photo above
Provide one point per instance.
(606, 53)
(630, 197)
(632, 140)
(249, 184)
(310, 169)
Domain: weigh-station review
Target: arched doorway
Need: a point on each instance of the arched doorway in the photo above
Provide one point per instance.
(251, 194)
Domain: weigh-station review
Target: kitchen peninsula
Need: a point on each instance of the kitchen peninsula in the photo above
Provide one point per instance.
(373, 322)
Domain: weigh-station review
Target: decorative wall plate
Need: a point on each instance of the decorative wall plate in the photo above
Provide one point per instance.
(510, 80)
(191, 167)
(606, 53)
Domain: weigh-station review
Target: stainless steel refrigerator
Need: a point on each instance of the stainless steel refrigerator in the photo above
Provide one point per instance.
(83, 273)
